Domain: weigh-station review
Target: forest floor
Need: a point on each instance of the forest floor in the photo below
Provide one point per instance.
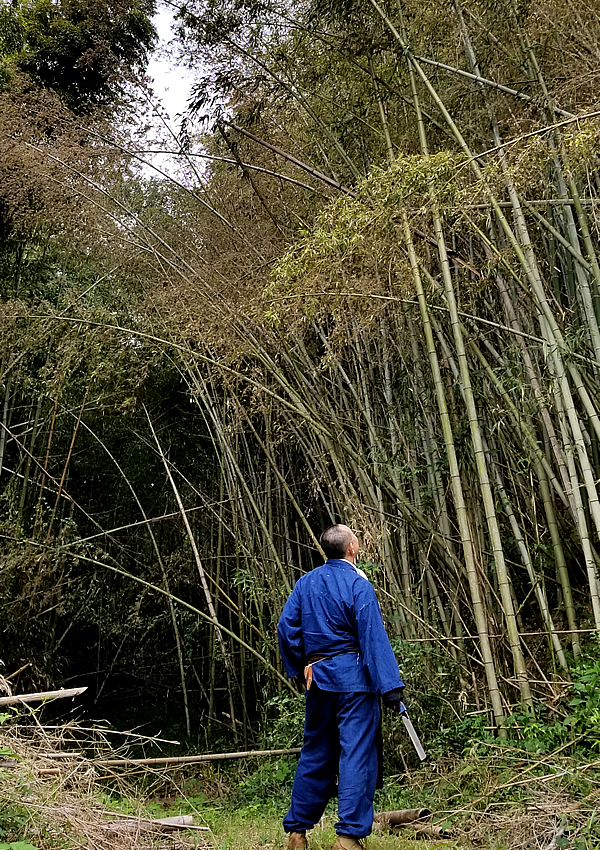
(503, 799)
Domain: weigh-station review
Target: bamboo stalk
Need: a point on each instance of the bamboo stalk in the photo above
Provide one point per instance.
(477, 78)
(163, 570)
(476, 437)
(294, 160)
(463, 521)
(25, 484)
(536, 582)
(207, 594)
(5, 419)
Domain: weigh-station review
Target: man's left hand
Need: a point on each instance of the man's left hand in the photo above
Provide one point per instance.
(394, 699)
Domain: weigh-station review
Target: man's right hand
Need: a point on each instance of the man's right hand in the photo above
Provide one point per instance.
(394, 699)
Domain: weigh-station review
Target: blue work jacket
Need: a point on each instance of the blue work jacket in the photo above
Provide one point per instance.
(333, 611)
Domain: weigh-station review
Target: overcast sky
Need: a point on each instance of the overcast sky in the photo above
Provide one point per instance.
(171, 83)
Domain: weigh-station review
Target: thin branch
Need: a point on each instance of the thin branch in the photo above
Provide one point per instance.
(485, 81)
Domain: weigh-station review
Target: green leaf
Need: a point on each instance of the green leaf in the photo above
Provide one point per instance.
(466, 770)
(17, 845)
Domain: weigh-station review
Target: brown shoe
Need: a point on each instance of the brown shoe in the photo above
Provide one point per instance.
(297, 841)
(348, 842)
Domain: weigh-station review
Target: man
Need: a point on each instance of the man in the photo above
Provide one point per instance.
(331, 628)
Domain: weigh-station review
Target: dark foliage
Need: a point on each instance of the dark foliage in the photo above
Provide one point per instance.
(83, 50)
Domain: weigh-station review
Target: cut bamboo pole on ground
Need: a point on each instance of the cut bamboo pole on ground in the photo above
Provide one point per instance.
(403, 819)
(42, 696)
(166, 760)
(130, 824)
(400, 816)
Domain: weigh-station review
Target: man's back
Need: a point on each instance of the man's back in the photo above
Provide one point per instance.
(329, 597)
(333, 615)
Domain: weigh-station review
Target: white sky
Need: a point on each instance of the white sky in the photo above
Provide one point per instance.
(171, 83)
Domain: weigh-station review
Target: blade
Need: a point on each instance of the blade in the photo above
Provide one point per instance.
(413, 735)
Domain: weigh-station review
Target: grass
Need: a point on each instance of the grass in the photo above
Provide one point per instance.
(501, 800)
(261, 833)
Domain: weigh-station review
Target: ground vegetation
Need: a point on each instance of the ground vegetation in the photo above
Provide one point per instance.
(495, 795)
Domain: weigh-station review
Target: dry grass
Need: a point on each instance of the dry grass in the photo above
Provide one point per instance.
(71, 808)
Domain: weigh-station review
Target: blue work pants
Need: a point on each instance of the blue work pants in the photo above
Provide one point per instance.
(340, 740)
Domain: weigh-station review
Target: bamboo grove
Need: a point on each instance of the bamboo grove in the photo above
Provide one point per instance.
(371, 295)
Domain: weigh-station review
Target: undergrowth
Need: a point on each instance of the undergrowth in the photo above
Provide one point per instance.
(537, 789)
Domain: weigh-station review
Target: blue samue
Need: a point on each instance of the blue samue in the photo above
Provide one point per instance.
(332, 620)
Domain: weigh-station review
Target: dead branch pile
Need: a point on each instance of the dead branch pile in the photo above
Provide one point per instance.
(71, 810)
(552, 822)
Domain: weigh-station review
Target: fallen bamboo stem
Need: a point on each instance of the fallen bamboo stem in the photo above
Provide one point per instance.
(199, 758)
(401, 816)
(182, 759)
(61, 755)
(129, 823)
(71, 727)
(403, 819)
(20, 698)
(431, 830)
(188, 820)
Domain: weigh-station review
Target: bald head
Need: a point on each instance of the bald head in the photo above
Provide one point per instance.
(339, 541)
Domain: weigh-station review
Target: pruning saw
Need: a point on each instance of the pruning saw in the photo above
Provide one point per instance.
(411, 732)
